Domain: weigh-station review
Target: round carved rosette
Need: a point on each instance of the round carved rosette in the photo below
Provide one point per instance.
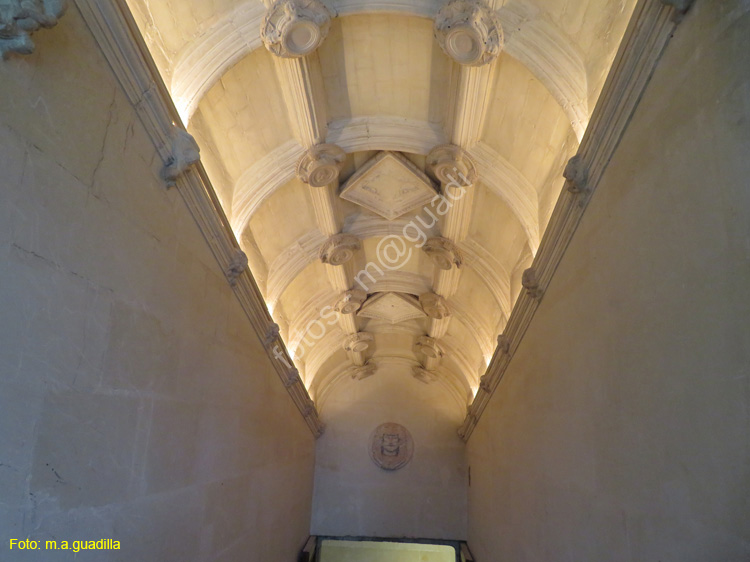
(430, 347)
(434, 306)
(339, 249)
(391, 446)
(451, 166)
(351, 301)
(358, 343)
(469, 32)
(442, 252)
(320, 166)
(295, 28)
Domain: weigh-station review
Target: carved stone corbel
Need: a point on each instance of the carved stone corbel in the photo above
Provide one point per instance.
(236, 267)
(320, 165)
(531, 284)
(185, 153)
(339, 249)
(442, 252)
(429, 347)
(20, 18)
(360, 373)
(576, 175)
(681, 8)
(503, 343)
(452, 166)
(292, 378)
(434, 306)
(308, 408)
(423, 375)
(351, 301)
(469, 32)
(485, 383)
(272, 334)
(359, 342)
(295, 28)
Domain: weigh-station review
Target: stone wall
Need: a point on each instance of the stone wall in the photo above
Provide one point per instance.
(620, 430)
(136, 403)
(424, 499)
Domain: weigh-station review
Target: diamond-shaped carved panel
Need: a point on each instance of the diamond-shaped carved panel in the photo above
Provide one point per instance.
(392, 307)
(389, 185)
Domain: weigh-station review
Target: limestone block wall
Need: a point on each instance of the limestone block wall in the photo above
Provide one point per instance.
(136, 403)
(620, 431)
(424, 499)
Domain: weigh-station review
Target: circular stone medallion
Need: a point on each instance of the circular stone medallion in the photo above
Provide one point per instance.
(391, 446)
(464, 44)
(301, 38)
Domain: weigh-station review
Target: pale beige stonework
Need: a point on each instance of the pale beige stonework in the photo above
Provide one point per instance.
(197, 277)
(620, 429)
(136, 401)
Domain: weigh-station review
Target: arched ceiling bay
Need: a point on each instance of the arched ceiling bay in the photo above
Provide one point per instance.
(330, 159)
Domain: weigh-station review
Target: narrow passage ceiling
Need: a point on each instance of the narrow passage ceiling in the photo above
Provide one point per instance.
(388, 167)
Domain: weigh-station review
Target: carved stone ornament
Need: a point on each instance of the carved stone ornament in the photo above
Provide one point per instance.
(423, 375)
(292, 378)
(308, 408)
(484, 383)
(469, 32)
(429, 347)
(295, 28)
(321, 165)
(434, 306)
(681, 7)
(359, 342)
(351, 301)
(185, 153)
(576, 175)
(451, 166)
(391, 446)
(442, 252)
(531, 284)
(272, 334)
(236, 267)
(359, 373)
(390, 185)
(503, 343)
(20, 18)
(339, 249)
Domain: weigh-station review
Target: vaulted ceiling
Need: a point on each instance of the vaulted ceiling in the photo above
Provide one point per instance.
(390, 166)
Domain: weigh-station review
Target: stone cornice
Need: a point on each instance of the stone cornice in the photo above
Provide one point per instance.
(115, 30)
(648, 33)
